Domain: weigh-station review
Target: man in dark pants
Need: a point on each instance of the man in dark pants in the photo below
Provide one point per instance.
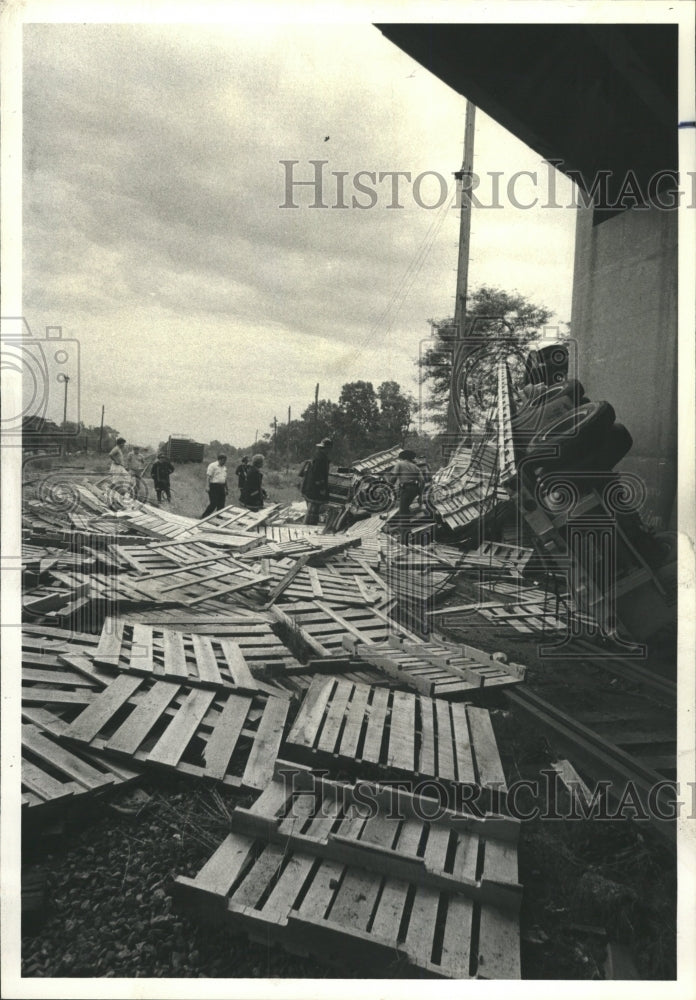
(160, 472)
(315, 485)
(253, 493)
(241, 473)
(216, 477)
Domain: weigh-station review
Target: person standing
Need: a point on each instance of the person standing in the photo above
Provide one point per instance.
(315, 485)
(216, 478)
(119, 474)
(409, 479)
(136, 467)
(241, 473)
(161, 470)
(253, 493)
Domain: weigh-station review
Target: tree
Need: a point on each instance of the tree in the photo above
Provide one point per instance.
(360, 415)
(499, 325)
(395, 413)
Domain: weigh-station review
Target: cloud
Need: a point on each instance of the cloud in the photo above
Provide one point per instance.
(152, 194)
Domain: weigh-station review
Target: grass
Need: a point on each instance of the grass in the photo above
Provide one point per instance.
(188, 486)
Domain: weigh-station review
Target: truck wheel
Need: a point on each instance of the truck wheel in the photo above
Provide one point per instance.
(572, 389)
(534, 419)
(576, 434)
(615, 446)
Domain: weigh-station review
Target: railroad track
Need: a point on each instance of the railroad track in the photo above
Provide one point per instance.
(615, 720)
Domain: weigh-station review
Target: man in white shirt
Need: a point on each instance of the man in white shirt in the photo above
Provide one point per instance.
(216, 478)
(136, 466)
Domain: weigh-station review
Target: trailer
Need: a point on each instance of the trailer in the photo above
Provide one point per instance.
(183, 449)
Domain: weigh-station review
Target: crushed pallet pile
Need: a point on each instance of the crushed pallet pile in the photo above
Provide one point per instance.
(258, 653)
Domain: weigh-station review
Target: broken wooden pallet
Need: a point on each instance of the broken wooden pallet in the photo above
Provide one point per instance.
(439, 669)
(295, 680)
(200, 660)
(379, 890)
(54, 776)
(252, 632)
(156, 556)
(395, 733)
(297, 581)
(221, 736)
(321, 627)
(497, 556)
(209, 580)
(235, 519)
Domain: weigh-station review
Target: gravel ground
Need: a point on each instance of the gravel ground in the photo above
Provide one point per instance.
(108, 910)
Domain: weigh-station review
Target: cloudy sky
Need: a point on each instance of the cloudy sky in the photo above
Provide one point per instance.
(154, 233)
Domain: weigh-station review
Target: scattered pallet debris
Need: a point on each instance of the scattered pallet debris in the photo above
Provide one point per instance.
(440, 670)
(384, 732)
(394, 893)
(221, 736)
(199, 660)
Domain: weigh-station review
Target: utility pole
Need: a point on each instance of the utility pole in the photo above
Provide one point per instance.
(316, 412)
(101, 430)
(275, 434)
(454, 414)
(256, 437)
(62, 377)
(287, 454)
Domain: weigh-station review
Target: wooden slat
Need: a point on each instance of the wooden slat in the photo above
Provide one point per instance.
(206, 662)
(402, 732)
(172, 744)
(133, 731)
(354, 721)
(463, 755)
(375, 725)
(237, 665)
(174, 654)
(141, 648)
(86, 726)
(259, 768)
(334, 716)
(110, 640)
(488, 761)
(311, 712)
(223, 741)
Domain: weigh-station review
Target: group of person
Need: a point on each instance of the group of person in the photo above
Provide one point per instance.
(128, 468)
(249, 482)
(405, 475)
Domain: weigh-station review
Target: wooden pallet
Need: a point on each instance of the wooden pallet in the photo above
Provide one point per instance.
(209, 580)
(221, 736)
(497, 556)
(156, 556)
(321, 627)
(54, 776)
(236, 519)
(297, 581)
(309, 869)
(199, 660)
(387, 733)
(439, 669)
(253, 633)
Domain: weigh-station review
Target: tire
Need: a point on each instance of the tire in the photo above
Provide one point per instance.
(534, 419)
(576, 435)
(665, 548)
(572, 389)
(616, 445)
